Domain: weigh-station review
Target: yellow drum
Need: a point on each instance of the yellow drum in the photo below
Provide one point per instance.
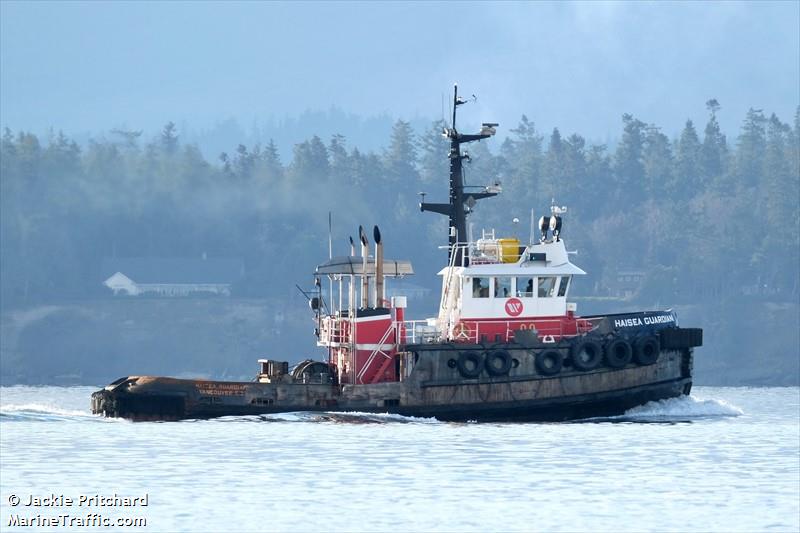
(509, 250)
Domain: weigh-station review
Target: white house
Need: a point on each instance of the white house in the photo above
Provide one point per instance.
(171, 276)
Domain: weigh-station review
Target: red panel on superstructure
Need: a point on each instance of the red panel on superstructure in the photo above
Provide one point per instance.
(375, 349)
(502, 329)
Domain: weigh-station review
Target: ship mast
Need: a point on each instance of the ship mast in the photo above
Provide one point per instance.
(461, 201)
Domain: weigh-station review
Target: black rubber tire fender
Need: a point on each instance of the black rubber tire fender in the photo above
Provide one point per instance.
(646, 350)
(505, 363)
(618, 353)
(587, 354)
(469, 358)
(549, 362)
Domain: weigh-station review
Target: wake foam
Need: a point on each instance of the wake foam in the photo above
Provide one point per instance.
(682, 408)
(345, 417)
(41, 412)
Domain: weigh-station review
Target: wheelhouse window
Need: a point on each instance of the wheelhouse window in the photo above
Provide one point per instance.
(525, 287)
(547, 286)
(562, 289)
(502, 287)
(480, 287)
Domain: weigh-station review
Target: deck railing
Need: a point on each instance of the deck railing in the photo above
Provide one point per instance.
(335, 330)
(478, 331)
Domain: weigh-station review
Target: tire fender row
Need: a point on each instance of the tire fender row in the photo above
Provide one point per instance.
(582, 353)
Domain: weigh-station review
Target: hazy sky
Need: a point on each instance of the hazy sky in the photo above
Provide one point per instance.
(579, 66)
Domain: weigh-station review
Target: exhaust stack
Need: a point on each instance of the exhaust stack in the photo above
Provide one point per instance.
(365, 259)
(379, 296)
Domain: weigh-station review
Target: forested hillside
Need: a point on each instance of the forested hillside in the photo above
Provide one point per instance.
(711, 220)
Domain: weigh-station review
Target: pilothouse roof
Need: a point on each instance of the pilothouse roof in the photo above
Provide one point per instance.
(353, 265)
(538, 259)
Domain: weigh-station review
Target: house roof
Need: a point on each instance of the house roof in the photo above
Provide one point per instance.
(175, 270)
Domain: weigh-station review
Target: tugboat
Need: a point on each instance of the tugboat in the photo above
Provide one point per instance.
(506, 345)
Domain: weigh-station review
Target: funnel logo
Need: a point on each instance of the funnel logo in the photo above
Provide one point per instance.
(513, 307)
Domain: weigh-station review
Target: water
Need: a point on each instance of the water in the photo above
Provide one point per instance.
(725, 459)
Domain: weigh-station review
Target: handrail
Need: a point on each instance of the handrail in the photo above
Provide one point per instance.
(474, 254)
(423, 331)
(418, 331)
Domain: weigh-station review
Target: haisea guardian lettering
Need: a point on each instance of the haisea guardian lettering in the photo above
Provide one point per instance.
(643, 321)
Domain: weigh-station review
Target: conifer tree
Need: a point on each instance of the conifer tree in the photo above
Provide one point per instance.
(714, 150)
(687, 162)
(400, 158)
(339, 161)
(433, 154)
(657, 162)
(628, 157)
(169, 138)
(751, 148)
(272, 162)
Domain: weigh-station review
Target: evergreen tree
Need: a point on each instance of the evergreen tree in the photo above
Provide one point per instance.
(714, 150)
(628, 157)
(552, 181)
(751, 148)
(271, 162)
(310, 162)
(244, 164)
(433, 159)
(340, 162)
(780, 193)
(657, 162)
(358, 168)
(319, 158)
(400, 159)
(169, 138)
(522, 151)
(687, 162)
(599, 181)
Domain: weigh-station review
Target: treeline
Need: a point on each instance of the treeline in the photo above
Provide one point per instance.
(704, 216)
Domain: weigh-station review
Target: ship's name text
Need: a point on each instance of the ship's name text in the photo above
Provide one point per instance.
(643, 321)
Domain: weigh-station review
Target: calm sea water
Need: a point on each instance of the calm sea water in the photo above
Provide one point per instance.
(725, 459)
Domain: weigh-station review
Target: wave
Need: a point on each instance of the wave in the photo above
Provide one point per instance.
(344, 417)
(43, 413)
(682, 408)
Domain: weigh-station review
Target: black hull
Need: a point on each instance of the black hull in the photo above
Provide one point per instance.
(577, 407)
(435, 383)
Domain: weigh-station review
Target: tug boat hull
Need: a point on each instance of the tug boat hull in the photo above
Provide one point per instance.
(434, 387)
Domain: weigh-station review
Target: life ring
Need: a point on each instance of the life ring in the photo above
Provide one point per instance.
(618, 353)
(498, 363)
(461, 331)
(549, 362)
(470, 364)
(646, 350)
(587, 354)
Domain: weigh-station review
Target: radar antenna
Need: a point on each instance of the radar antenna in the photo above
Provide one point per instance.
(462, 201)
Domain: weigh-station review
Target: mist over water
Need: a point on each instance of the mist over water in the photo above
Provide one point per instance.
(724, 459)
